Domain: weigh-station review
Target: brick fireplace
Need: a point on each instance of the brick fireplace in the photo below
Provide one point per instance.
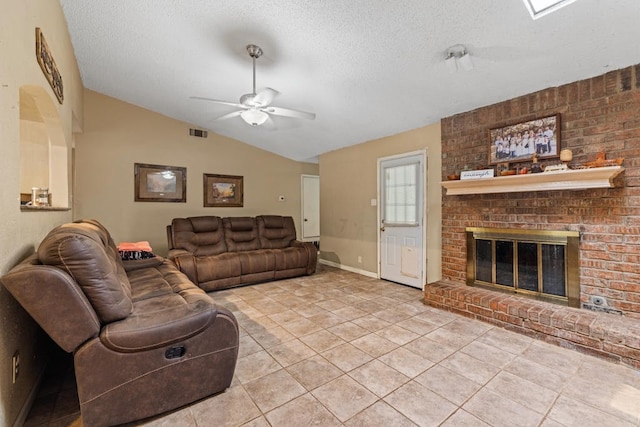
(601, 114)
(598, 114)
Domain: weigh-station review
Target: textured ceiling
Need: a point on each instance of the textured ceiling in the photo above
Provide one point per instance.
(367, 68)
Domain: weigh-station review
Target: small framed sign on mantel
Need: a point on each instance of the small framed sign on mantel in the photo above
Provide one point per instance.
(477, 174)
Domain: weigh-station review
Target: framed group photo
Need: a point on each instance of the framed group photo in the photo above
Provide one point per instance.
(520, 141)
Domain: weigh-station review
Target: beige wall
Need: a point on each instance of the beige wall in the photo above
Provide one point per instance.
(22, 231)
(348, 182)
(117, 135)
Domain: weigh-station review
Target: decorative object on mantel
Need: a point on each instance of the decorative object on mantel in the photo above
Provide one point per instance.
(566, 156)
(48, 66)
(601, 161)
(453, 177)
(535, 167)
(520, 141)
(477, 174)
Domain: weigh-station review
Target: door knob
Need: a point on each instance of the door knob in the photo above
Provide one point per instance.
(305, 220)
(382, 228)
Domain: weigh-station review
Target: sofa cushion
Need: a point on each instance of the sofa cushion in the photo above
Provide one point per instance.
(275, 231)
(241, 234)
(201, 235)
(83, 251)
(218, 267)
(172, 321)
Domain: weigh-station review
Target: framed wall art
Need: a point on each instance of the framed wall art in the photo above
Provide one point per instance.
(48, 66)
(223, 190)
(520, 141)
(158, 183)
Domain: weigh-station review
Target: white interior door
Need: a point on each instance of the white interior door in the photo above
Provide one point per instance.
(402, 219)
(310, 207)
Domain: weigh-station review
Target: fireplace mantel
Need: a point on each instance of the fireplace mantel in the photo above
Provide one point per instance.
(578, 179)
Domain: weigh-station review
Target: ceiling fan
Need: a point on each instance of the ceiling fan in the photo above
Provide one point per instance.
(256, 106)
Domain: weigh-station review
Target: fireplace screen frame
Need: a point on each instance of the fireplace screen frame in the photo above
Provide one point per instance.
(569, 239)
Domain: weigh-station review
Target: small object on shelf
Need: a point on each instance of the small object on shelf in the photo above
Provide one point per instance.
(523, 171)
(43, 197)
(535, 167)
(556, 168)
(566, 156)
(453, 177)
(40, 197)
(508, 172)
(34, 196)
(600, 161)
(477, 174)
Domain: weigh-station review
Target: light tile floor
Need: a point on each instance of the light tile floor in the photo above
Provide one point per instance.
(338, 348)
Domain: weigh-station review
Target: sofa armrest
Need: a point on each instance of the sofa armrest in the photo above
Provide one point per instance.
(55, 301)
(137, 264)
(159, 324)
(186, 262)
(313, 254)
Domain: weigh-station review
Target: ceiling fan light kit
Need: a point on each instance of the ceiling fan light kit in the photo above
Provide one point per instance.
(256, 105)
(254, 117)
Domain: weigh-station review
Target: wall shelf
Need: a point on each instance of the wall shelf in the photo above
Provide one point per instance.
(578, 179)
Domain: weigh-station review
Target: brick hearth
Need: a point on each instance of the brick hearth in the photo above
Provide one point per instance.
(608, 336)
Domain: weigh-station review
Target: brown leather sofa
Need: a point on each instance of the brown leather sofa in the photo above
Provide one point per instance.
(218, 253)
(145, 339)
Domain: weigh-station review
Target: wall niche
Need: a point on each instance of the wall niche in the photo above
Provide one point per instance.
(43, 150)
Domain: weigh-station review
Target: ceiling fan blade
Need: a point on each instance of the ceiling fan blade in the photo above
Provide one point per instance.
(278, 111)
(265, 97)
(269, 124)
(217, 101)
(230, 115)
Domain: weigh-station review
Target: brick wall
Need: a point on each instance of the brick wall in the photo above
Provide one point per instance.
(598, 114)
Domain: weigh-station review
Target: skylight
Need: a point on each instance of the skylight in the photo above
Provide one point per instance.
(539, 8)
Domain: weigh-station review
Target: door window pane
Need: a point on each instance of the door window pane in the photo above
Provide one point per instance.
(400, 192)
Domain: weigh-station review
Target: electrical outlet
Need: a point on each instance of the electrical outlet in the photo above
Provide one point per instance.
(15, 363)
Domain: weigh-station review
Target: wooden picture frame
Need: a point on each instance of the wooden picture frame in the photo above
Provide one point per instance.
(223, 190)
(159, 183)
(48, 66)
(518, 142)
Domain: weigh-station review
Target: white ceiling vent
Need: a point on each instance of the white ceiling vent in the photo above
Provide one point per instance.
(198, 133)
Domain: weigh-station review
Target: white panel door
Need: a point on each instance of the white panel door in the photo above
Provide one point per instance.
(310, 207)
(402, 220)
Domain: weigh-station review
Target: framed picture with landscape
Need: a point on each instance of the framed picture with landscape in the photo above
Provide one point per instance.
(223, 190)
(520, 141)
(158, 183)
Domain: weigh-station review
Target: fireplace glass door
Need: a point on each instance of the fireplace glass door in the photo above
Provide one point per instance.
(527, 262)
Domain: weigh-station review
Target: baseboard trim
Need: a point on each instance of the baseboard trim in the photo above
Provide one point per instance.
(347, 268)
(24, 412)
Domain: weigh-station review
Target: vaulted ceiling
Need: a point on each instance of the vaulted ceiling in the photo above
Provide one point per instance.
(367, 68)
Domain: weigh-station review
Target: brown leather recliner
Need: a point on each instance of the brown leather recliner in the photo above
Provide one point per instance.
(145, 339)
(218, 253)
